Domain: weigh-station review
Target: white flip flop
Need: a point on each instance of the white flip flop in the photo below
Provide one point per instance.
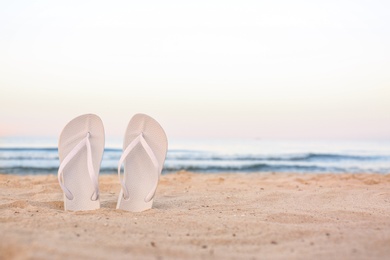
(145, 147)
(80, 150)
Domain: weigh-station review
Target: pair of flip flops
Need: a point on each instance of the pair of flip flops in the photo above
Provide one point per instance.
(81, 147)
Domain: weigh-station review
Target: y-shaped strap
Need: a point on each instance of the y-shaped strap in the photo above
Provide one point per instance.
(91, 171)
(153, 158)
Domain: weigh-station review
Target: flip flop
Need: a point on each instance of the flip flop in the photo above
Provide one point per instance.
(80, 150)
(144, 150)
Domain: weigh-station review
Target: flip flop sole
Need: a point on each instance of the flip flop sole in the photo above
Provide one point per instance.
(76, 177)
(140, 173)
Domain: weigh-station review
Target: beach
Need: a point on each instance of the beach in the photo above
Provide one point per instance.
(203, 216)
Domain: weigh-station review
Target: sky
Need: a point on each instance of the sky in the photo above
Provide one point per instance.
(218, 69)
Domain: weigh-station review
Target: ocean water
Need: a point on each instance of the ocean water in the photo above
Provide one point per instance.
(23, 155)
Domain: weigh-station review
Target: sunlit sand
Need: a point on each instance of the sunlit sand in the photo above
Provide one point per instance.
(221, 216)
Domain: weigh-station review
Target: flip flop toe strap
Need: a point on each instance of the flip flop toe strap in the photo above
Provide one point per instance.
(140, 139)
(94, 178)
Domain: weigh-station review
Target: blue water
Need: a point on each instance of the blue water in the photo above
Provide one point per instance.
(40, 156)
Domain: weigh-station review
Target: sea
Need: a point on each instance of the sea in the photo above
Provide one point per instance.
(38, 155)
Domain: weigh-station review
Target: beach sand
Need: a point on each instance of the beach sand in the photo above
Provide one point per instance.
(204, 216)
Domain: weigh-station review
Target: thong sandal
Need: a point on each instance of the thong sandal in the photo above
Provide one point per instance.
(80, 150)
(144, 150)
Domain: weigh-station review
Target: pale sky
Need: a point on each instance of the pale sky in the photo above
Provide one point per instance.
(243, 69)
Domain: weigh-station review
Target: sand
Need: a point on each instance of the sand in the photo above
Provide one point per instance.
(204, 216)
